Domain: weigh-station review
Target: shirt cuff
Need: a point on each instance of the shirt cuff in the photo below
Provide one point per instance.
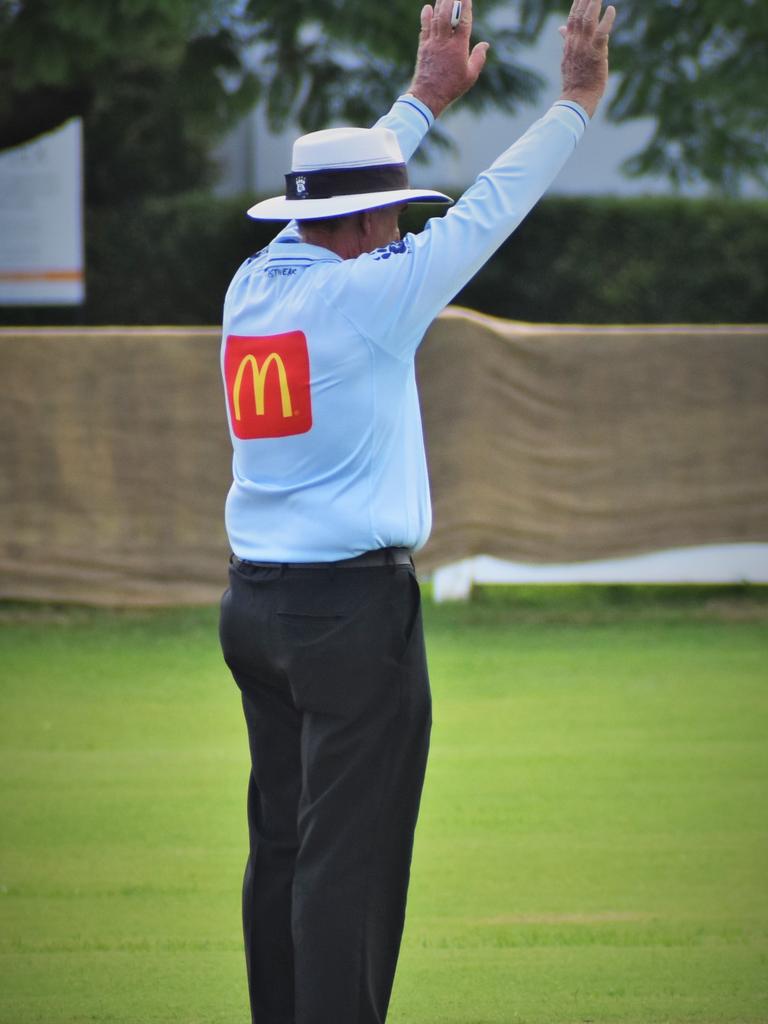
(580, 114)
(425, 114)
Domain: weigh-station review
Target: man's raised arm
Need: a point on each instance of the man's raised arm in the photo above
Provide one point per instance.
(394, 300)
(445, 70)
(585, 55)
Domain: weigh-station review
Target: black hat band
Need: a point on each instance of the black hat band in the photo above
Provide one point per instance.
(348, 182)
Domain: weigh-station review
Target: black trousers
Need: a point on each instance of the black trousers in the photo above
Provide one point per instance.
(333, 675)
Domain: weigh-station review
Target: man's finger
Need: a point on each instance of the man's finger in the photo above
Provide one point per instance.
(592, 11)
(477, 59)
(579, 9)
(442, 18)
(606, 22)
(465, 23)
(576, 18)
(426, 18)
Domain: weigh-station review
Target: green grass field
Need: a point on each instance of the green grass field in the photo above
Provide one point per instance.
(593, 845)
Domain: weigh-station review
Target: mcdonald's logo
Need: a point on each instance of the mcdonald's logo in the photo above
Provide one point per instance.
(267, 384)
(258, 381)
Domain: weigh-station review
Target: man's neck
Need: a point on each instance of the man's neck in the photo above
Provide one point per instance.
(342, 242)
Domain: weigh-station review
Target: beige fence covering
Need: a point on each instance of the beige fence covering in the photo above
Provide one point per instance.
(546, 444)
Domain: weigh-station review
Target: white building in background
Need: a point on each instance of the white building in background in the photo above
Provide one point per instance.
(253, 160)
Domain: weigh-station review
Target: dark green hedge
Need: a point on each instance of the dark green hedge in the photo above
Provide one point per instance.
(650, 260)
(645, 260)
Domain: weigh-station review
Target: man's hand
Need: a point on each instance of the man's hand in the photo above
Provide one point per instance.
(585, 58)
(445, 69)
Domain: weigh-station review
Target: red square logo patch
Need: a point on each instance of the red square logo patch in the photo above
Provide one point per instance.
(267, 381)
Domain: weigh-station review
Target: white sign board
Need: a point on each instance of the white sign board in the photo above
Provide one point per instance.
(41, 220)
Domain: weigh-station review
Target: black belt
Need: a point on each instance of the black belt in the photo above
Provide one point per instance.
(382, 556)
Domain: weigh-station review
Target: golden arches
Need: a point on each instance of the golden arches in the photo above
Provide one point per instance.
(259, 376)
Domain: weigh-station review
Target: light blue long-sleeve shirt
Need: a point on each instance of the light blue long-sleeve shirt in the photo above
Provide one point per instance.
(318, 360)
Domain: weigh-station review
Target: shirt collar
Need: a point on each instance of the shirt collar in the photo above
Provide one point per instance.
(293, 251)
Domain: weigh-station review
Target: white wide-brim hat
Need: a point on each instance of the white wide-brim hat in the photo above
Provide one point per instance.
(344, 170)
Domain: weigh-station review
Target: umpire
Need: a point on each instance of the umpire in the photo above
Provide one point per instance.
(321, 624)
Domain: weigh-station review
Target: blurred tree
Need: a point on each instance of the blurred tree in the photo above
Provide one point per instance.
(155, 83)
(700, 67)
(341, 60)
(158, 82)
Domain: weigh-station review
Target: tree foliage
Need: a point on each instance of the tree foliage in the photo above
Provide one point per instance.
(700, 67)
(158, 83)
(342, 60)
(573, 260)
(154, 82)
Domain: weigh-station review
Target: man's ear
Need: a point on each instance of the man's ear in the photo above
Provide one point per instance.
(365, 223)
